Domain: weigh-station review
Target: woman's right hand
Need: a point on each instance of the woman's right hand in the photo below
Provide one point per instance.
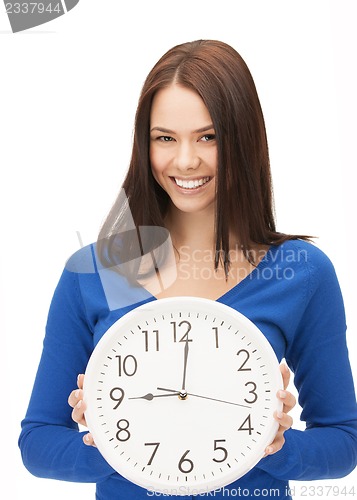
(75, 400)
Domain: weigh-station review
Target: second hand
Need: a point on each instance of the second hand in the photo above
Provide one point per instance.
(205, 397)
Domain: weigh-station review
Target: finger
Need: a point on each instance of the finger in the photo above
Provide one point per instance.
(285, 421)
(288, 400)
(276, 445)
(285, 372)
(74, 397)
(279, 440)
(78, 413)
(80, 381)
(88, 439)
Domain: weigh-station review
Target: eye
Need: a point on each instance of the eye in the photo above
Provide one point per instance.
(164, 138)
(208, 138)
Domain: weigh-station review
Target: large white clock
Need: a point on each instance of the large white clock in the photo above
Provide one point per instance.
(180, 395)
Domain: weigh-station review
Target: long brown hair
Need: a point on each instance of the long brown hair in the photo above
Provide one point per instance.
(244, 199)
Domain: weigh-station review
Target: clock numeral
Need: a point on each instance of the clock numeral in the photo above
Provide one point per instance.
(146, 333)
(225, 452)
(127, 366)
(123, 434)
(215, 329)
(117, 397)
(255, 395)
(184, 338)
(245, 355)
(154, 452)
(185, 465)
(249, 427)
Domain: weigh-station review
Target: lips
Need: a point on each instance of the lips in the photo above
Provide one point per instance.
(191, 183)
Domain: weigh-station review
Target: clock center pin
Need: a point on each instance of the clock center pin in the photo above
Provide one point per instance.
(182, 394)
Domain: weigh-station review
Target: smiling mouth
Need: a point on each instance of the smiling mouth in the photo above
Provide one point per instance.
(192, 183)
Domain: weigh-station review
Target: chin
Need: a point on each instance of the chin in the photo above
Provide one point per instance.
(195, 208)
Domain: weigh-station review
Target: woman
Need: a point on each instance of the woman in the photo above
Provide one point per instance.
(200, 169)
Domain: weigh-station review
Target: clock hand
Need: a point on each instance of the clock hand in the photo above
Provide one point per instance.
(200, 396)
(185, 366)
(150, 397)
(181, 394)
(219, 400)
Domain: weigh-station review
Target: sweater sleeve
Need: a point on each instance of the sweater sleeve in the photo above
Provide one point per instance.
(50, 442)
(317, 354)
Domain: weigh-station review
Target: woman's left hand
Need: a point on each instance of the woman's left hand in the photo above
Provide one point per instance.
(285, 420)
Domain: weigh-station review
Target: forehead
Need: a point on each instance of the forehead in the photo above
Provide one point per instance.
(177, 107)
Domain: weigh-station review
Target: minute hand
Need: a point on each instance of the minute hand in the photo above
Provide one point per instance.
(205, 397)
(185, 365)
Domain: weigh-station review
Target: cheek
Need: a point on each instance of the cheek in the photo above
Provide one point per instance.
(153, 165)
(155, 168)
(158, 162)
(212, 158)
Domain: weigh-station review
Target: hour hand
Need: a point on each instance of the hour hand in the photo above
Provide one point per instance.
(150, 396)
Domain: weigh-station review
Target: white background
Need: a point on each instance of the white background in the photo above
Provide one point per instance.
(68, 92)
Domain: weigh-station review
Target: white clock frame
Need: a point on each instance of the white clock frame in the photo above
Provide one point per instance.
(180, 395)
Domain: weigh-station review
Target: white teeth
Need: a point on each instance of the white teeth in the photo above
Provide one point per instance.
(192, 184)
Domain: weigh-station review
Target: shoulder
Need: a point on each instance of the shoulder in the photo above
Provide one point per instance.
(302, 253)
(307, 260)
(80, 269)
(83, 261)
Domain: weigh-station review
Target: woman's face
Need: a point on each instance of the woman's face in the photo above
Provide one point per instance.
(183, 149)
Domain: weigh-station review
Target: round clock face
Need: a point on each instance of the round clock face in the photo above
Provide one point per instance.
(180, 395)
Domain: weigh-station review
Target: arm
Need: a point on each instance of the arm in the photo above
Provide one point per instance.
(318, 356)
(50, 442)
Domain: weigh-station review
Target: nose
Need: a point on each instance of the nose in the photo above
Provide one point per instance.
(186, 157)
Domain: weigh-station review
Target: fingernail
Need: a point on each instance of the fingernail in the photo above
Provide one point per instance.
(269, 450)
(282, 394)
(79, 404)
(279, 414)
(86, 437)
(76, 394)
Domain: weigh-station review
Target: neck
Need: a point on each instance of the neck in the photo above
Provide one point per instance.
(193, 229)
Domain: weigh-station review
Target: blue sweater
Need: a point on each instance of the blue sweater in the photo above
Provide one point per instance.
(293, 296)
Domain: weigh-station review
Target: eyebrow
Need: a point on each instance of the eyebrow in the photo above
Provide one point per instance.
(168, 131)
